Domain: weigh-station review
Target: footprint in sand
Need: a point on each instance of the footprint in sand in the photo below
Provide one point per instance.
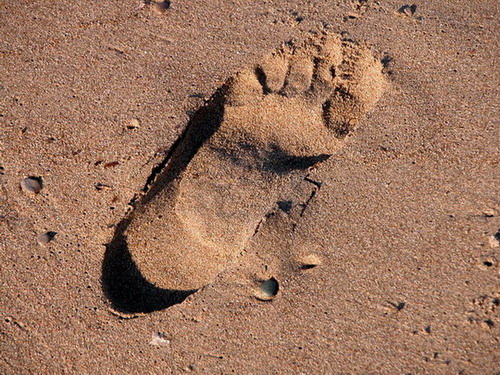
(289, 112)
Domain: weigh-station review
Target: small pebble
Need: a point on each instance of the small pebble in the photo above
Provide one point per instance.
(161, 7)
(489, 212)
(268, 289)
(133, 124)
(111, 164)
(159, 339)
(310, 261)
(45, 238)
(494, 240)
(32, 185)
(408, 10)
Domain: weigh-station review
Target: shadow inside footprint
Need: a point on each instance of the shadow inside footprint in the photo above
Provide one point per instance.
(122, 282)
(280, 162)
(127, 289)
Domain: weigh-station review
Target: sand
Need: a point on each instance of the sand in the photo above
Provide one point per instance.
(383, 258)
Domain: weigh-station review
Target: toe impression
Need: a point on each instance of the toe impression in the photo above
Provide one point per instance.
(244, 89)
(274, 68)
(299, 77)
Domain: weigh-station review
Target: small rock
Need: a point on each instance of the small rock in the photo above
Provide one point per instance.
(408, 10)
(45, 238)
(487, 324)
(100, 186)
(494, 241)
(160, 7)
(489, 212)
(159, 339)
(309, 261)
(111, 164)
(133, 124)
(488, 262)
(268, 289)
(400, 306)
(32, 185)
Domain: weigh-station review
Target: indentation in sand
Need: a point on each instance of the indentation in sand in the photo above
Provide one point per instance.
(268, 124)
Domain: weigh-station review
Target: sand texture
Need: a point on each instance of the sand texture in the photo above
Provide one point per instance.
(249, 187)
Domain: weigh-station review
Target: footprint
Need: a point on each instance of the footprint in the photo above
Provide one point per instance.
(278, 118)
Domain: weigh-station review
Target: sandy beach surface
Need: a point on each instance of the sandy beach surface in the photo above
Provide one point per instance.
(382, 258)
